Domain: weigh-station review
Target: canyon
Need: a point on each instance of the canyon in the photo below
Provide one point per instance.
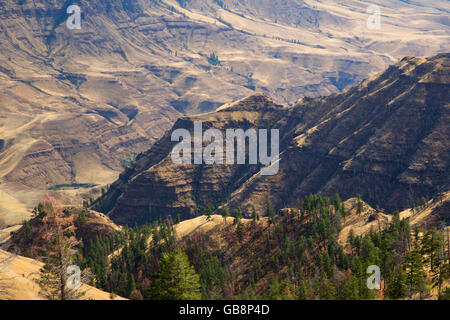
(77, 106)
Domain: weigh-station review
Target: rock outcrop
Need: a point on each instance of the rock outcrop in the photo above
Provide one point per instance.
(77, 104)
(386, 139)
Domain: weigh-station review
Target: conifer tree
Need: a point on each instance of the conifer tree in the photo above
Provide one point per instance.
(27, 231)
(176, 279)
(55, 275)
(396, 287)
(324, 288)
(359, 205)
(131, 286)
(209, 212)
(273, 290)
(415, 273)
(225, 213)
(269, 210)
(302, 291)
(255, 216)
(434, 249)
(350, 288)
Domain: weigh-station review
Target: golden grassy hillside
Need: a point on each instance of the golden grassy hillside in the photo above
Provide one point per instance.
(386, 138)
(17, 275)
(78, 104)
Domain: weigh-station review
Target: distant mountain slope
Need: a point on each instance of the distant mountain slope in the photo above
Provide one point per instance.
(76, 104)
(387, 139)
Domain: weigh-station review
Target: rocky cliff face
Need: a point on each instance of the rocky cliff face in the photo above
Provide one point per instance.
(386, 139)
(160, 187)
(75, 104)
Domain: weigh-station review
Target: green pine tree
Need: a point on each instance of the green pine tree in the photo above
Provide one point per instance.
(415, 273)
(131, 286)
(359, 205)
(176, 279)
(54, 275)
(269, 210)
(225, 213)
(255, 216)
(396, 285)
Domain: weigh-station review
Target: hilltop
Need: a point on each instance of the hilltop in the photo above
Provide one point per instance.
(32, 238)
(386, 138)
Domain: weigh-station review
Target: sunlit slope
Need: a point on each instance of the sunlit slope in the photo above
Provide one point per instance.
(18, 275)
(76, 104)
(386, 139)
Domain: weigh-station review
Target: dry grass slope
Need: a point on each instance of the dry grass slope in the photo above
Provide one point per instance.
(75, 104)
(19, 274)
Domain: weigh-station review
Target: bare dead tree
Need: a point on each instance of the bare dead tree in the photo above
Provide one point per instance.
(59, 278)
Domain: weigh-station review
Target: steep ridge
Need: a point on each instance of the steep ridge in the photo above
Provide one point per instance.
(77, 104)
(186, 189)
(387, 139)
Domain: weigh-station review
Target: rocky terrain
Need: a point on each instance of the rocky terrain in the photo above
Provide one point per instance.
(86, 118)
(387, 139)
(76, 106)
